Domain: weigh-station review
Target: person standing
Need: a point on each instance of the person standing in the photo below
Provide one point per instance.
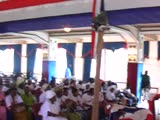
(145, 85)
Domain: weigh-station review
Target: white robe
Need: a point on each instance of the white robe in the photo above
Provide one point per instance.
(9, 100)
(46, 107)
(110, 96)
(42, 97)
(87, 99)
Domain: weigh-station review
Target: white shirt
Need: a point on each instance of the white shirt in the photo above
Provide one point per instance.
(9, 100)
(4, 88)
(78, 101)
(110, 96)
(42, 97)
(87, 99)
(64, 98)
(46, 107)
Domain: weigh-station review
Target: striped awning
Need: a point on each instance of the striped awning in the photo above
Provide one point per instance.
(21, 15)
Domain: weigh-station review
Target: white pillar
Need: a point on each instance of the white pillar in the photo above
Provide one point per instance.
(153, 50)
(24, 59)
(52, 58)
(140, 49)
(52, 49)
(78, 62)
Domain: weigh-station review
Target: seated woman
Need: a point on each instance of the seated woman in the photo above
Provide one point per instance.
(2, 107)
(16, 108)
(87, 99)
(50, 109)
(110, 95)
(29, 100)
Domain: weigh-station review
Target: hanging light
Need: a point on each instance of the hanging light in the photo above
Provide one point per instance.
(67, 29)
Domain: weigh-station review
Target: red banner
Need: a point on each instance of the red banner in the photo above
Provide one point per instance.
(14, 4)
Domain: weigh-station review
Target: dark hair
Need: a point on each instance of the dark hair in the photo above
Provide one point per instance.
(11, 89)
(74, 90)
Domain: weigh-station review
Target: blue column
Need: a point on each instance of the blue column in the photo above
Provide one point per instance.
(51, 69)
(139, 80)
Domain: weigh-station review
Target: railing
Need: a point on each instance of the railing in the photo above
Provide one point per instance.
(154, 90)
(121, 85)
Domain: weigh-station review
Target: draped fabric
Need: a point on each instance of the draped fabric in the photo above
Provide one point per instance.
(146, 49)
(152, 63)
(114, 45)
(31, 54)
(61, 62)
(17, 56)
(107, 65)
(7, 61)
(158, 50)
(87, 61)
(114, 62)
(38, 64)
(153, 68)
(114, 65)
(70, 47)
(153, 50)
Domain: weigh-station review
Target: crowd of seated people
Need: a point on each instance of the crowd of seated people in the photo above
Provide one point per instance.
(68, 100)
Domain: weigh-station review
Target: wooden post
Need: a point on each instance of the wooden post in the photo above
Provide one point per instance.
(95, 110)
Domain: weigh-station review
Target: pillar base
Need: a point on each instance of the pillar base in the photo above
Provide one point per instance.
(135, 71)
(49, 70)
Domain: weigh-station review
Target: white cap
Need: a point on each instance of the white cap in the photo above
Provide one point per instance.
(50, 94)
(19, 81)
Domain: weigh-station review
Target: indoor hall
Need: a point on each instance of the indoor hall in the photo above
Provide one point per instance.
(59, 44)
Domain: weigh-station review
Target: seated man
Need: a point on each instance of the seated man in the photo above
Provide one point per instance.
(50, 109)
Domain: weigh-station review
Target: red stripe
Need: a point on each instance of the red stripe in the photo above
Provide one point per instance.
(13, 4)
(93, 32)
(94, 8)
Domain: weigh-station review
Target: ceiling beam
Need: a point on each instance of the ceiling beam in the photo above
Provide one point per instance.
(33, 36)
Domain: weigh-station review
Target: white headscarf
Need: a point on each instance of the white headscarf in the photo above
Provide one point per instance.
(50, 94)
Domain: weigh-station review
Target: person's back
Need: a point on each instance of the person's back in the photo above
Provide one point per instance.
(145, 80)
(145, 86)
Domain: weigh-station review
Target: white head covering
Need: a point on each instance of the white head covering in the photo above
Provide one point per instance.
(19, 81)
(50, 94)
(27, 86)
(4, 89)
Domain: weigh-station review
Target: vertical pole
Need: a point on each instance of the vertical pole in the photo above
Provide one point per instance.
(95, 110)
